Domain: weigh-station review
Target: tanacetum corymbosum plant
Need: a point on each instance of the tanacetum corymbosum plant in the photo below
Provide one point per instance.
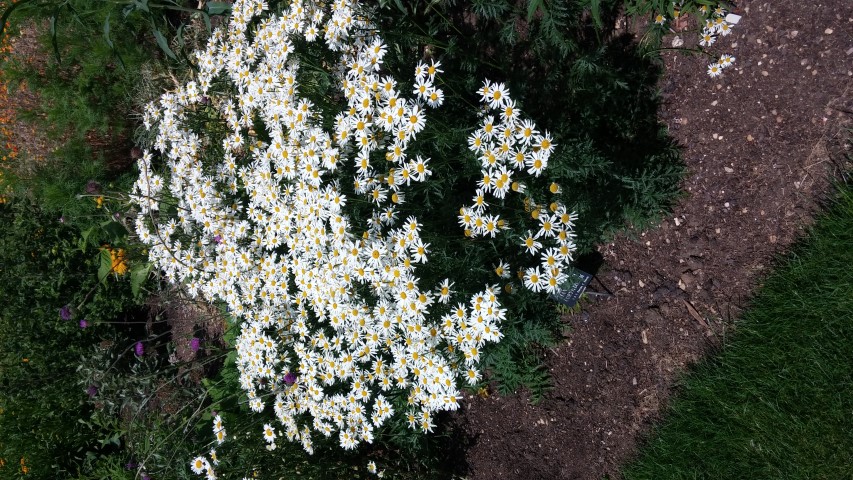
(250, 210)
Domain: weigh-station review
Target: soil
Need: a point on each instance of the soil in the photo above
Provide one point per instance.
(761, 143)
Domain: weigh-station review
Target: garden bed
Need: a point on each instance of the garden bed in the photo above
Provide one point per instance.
(761, 143)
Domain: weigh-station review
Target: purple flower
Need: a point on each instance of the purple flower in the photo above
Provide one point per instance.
(146, 477)
(92, 390)
(83, 323)
(140, 349)
(130, 465)
(217, 238)
(195, 344)
(290, 378)
(65, 312)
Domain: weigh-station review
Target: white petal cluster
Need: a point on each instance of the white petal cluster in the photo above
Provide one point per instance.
(334, 318)
(717, 22)
(508, 145)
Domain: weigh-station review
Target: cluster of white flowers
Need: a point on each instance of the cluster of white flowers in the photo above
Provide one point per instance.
(201, 465)
(715, 22)
(333, 315)
(505, 146)
(218, 430)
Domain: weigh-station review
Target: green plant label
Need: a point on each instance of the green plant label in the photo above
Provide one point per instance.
(572, 289)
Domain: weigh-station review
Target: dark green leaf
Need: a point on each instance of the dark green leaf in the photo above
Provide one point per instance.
(595, 11)
(163, 43)
(218, 8)
(107, 31)
(106, 265)
(532, 7)
(113, 231)
(84, 242)
(53, 37)
(138, 275)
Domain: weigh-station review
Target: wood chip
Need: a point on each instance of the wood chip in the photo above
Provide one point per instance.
(695, 314)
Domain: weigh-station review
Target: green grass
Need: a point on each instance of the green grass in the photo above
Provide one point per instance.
(777, 402)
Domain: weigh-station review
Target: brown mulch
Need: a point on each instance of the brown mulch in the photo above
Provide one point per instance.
(761, 144)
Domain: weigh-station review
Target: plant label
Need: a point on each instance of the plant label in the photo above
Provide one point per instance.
(572, 289)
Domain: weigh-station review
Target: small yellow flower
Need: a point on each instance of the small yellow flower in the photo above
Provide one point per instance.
(119, 263)
(99, 201)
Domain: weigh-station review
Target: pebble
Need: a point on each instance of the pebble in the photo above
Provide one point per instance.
(828, 31)
(729, 169)
(764, 72)
(749, 138)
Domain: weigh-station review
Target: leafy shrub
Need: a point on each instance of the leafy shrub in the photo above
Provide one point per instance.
(52, 306)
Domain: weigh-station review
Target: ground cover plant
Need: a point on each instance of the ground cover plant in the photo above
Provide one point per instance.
(208, 232)
(332, 317)
(775, 403)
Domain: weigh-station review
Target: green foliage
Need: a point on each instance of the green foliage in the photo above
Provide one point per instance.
(594, 90)
(615, 165)
(169, 16)
(149, 407)
(776, 402)
(87, 90)
(43, 270)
